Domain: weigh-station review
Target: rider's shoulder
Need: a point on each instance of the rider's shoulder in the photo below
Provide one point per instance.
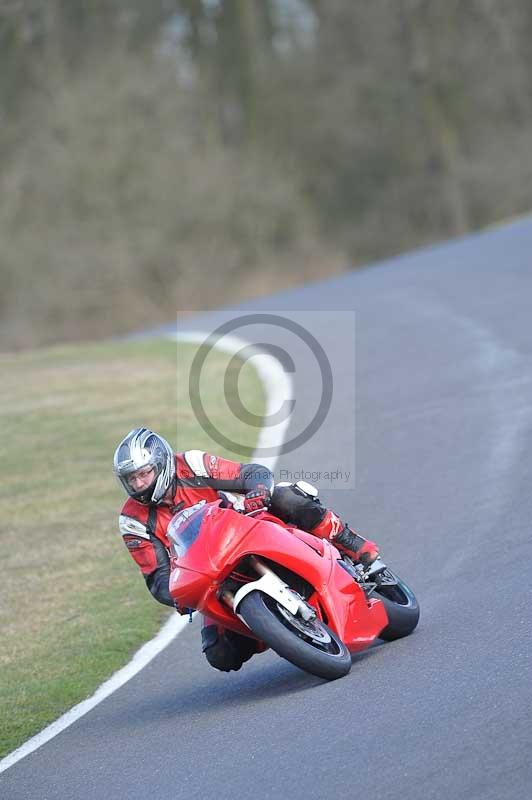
(200, 464)
(132, 508)
(196, 461)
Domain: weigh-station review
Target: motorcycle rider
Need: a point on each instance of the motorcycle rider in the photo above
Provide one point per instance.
(159, 483)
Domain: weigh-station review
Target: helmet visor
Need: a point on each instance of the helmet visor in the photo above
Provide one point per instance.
(140, 479)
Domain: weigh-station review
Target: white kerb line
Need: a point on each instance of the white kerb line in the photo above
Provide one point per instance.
(277, 387)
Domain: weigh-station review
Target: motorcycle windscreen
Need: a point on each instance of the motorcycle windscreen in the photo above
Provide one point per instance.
(185, 527)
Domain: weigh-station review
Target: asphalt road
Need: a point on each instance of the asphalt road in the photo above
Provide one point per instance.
(443, 477)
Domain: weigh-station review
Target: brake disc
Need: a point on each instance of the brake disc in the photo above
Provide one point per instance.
(311, 629)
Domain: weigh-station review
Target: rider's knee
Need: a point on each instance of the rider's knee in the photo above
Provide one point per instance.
(297, 505)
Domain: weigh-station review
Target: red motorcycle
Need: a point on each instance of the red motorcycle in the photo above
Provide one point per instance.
(290, 590)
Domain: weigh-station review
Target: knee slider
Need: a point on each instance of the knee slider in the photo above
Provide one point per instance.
(220, 651)
(209, 637)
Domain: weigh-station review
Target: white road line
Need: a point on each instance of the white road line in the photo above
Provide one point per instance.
(278, 387)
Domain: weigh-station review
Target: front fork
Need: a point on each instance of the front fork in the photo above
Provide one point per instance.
(269, 583)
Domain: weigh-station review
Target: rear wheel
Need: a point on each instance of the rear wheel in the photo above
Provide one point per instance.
(309, 644)
(401, 606)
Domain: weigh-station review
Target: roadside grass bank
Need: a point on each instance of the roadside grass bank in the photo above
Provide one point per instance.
(73, 606)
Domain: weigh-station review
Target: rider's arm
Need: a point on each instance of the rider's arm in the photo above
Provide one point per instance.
(158, 580)
(150, 555)
(228, 476)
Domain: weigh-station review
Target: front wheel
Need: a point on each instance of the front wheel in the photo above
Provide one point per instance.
(401, 606)
(310, 645)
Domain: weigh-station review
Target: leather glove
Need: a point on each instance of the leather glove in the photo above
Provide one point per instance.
(226, 500)
(257, 499)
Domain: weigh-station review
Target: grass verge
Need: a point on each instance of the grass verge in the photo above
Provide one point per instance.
(73, 606)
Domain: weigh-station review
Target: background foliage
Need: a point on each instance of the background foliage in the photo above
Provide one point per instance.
(179, 154)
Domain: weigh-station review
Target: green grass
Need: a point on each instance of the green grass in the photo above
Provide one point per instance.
(73, 605)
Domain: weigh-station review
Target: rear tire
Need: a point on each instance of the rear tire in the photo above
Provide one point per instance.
(401, 607)
(312, 647)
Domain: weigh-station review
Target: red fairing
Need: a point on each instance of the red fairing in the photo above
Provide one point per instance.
(225, 538)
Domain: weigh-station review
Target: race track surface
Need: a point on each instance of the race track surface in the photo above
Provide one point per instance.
(443, 483)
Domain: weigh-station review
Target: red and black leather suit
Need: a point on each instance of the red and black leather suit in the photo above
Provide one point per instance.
(200, 476)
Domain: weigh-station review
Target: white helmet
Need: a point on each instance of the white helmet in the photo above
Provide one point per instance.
(144, 448)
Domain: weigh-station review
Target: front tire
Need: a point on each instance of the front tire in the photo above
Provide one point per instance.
(311, 646)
